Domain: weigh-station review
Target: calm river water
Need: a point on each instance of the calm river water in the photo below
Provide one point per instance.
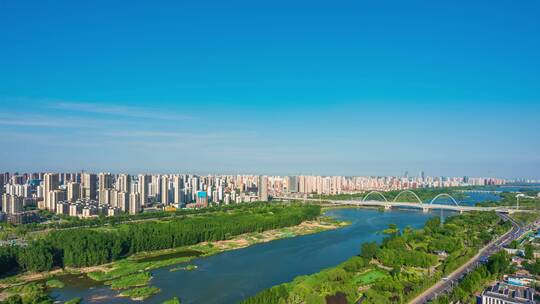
(232, 276)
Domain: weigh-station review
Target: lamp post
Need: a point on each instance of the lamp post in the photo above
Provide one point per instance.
(517, 197)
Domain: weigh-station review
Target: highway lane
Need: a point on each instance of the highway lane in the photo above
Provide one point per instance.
(446, 284)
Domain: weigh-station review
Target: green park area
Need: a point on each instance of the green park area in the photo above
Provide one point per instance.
(369, 277)
(528, 201)
(404, 264)
(122, 255)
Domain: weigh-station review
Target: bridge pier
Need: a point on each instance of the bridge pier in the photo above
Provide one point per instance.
(425, 209)
(387, 207)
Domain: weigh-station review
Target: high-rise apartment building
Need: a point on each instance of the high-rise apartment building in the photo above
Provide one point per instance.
(292, 185)
(122, 201)
(177, 187)
(134, 203)
(73, 191)
(263, 188)
(124, 183)
(105, 181)
(12, 204)
(54, 197)
(51, 183)
(143, 182)
(105, 184)
(89, 182)
(164, 193)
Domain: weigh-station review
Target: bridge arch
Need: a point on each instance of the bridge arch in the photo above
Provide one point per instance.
(446, 195)
(374, 192)
(407, 191)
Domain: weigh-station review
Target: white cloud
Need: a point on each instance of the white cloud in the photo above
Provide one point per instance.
(115, 110)
(181, 135)
(28, 122)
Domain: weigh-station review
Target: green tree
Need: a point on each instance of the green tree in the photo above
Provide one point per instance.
(498, 263)
(529, 252)
(14, 299)
(80, 247)
(368, 250)
(38, 256)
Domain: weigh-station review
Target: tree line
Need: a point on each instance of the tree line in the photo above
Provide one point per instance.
(99, 221)
(497, 265)
(81, 247)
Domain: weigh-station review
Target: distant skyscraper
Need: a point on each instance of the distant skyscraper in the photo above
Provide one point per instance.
(293, 184)
(123, 201)
(124, 183)
(195, 184)
(134, 203)
(105, 183)
(263, 188)
(154, 188)
(302, 184)
(89, 181)
(177, 186)
(54, 197)
(12, 204)
(73, 191)
(164, 190)
(51, 183)
(144, 180)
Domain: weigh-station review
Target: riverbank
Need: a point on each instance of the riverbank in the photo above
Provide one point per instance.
(407, 262)
(132, 272)
(247, 271)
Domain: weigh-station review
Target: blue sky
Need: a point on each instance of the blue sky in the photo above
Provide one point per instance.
(341, 87)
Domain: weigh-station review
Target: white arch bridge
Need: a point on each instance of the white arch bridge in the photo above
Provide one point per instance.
(377, 199)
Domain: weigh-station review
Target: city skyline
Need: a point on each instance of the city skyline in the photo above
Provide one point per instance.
(365, 89)
(88, 194)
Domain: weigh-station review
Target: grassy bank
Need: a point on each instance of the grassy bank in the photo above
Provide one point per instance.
(132, 275)
(525, 218)
(131, 280)
(84, 247)
(140, 293)
(407, 262)
(510, 199)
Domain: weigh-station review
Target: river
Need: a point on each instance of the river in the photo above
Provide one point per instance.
(231, 276)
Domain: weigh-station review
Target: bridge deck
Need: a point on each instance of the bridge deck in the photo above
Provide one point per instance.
(417, 205)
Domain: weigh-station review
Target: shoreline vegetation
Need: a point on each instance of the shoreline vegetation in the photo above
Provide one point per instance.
(403, 265)
(124, 262)
(529, 201)
(131, 276)
(473, 282)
